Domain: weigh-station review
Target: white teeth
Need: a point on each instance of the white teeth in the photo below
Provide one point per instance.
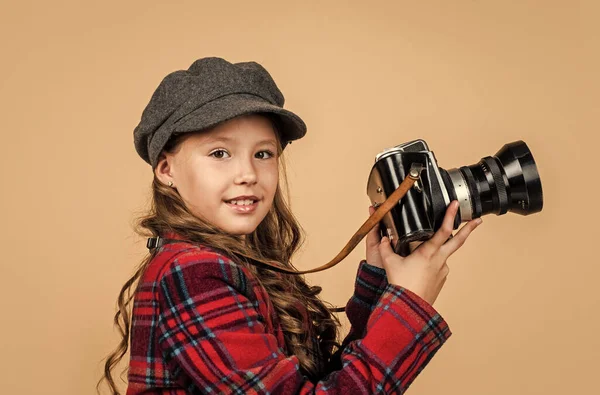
(242, 202)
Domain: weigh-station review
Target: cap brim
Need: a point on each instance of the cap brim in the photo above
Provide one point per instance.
(231, 106)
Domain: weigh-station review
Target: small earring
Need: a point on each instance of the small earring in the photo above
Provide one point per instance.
(171, 183)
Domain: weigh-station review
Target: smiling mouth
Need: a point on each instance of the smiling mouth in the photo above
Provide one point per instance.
(243, 208)
(241, 202)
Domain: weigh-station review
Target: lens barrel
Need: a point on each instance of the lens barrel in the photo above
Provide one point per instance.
(507, 181)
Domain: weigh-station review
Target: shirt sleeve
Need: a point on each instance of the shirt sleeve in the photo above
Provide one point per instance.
(215, 340)
(370, 283)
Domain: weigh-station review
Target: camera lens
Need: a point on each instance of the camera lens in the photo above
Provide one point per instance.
(507, 181)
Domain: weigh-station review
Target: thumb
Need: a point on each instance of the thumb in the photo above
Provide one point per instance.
(373, 236)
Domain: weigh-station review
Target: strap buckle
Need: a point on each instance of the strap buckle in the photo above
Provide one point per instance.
(154, 242)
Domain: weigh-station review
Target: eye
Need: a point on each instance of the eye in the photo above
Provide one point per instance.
(216, 152)
(270, 153)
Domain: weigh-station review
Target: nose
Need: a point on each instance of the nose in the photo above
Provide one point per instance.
(246, 173)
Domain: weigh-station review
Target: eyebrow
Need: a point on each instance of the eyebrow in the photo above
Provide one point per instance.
(229, 139)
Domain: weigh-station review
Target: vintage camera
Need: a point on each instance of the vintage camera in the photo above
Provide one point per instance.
(507, 181)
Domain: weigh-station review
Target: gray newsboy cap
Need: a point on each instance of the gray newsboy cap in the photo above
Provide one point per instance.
(211, 91)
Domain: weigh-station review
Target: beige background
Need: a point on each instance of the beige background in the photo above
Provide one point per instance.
(467, 76)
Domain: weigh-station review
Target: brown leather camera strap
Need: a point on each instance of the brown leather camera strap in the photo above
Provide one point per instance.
(373, 220)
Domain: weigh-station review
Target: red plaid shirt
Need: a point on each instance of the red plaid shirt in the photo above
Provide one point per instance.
(202, 324)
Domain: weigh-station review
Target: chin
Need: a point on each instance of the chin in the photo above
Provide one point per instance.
(241, 231)
(240, 226)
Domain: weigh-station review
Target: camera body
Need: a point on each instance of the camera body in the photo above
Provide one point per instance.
(508, 181)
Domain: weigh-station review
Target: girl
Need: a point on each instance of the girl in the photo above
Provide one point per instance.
(207, 317)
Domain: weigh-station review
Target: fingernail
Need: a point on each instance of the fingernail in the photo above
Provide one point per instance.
(478, 221)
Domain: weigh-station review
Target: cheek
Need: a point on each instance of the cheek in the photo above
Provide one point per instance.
(271, 180)
(194, 187)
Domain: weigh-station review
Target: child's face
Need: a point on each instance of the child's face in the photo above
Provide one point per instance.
(237, 158)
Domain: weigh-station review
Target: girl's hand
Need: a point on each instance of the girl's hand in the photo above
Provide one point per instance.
(425, 270)
(373, 240)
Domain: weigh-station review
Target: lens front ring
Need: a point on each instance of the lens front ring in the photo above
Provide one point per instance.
(462, 194)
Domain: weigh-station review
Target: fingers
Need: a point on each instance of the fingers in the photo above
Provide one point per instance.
(459, 239)
(444, 232)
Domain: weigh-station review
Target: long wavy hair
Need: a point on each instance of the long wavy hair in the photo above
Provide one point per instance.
(310, 328)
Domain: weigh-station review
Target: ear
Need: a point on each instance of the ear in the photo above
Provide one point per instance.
(163, 170)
